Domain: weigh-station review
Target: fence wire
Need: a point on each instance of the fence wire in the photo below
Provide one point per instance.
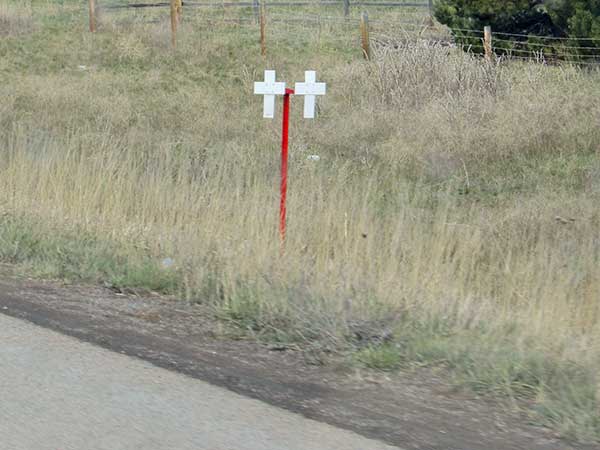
(568, 50)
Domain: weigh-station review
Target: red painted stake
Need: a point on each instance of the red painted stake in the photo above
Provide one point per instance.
(284, 162)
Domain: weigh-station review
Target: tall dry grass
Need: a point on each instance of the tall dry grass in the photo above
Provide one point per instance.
(15, 18)
(451, 196)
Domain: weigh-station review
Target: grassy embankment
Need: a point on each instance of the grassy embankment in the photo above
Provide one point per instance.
(451, 221)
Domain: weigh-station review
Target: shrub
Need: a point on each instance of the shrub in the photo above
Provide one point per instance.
(579, 18)
(520, 23)
(516, 17)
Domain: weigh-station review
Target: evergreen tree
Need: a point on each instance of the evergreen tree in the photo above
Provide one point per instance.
(576, 18)
(519, 22)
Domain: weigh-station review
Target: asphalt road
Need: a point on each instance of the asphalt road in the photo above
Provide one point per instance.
(58, 393)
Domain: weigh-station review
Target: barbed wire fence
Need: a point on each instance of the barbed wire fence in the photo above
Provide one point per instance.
(349, 23)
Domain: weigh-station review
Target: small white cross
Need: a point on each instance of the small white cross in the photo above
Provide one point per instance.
(310, 88)
(269, 88)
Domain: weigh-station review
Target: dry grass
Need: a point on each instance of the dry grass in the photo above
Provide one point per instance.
(455, 202)
(15, 19)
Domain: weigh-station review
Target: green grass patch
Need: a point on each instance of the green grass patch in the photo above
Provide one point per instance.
(81, 257)
(498, 364)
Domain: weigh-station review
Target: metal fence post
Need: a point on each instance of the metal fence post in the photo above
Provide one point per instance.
(256, 8)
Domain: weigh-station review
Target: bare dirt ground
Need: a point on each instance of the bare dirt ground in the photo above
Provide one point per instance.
(413, 411)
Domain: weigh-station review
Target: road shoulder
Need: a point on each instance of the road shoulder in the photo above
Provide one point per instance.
(410, 411)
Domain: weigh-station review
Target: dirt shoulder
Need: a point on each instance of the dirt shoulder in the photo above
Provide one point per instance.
(412, 411)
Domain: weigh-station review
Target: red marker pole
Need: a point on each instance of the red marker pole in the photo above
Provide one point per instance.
(284, 162)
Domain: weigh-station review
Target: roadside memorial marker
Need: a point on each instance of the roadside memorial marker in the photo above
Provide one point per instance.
(310, 89)
(269, 89)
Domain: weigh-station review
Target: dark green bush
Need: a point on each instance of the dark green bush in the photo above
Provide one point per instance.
(558, 29)
(578, 18)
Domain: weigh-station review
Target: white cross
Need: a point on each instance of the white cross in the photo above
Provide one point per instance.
(310, 88)
(269, 88)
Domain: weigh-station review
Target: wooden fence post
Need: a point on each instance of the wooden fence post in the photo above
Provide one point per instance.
(364, 33)
(346, 8)
(92, 16)
(174, 23)
(179, 6)
(487, 43)
(263, 28)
